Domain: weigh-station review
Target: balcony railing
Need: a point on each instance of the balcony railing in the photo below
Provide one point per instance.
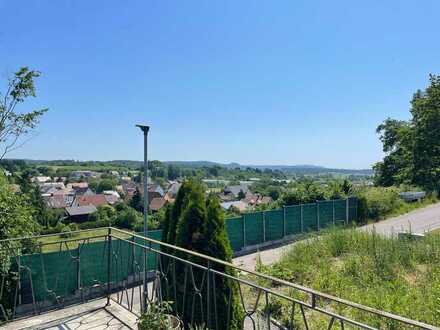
(48, 273)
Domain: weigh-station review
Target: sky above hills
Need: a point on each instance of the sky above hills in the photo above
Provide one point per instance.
(276, 82)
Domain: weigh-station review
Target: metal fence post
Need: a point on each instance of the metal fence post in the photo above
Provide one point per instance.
(347, 208)
(284, 221)
(244, 230)
(317, 213)
(109, 265)
(333, 211)
(302, 218)
(78, 270)
(264, 226)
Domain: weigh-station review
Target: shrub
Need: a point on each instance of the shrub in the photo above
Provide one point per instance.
(376, 203)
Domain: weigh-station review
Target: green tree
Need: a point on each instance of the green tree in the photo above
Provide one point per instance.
(425, 110)
(201, 228)
(105, 214)
(173, 172)
(179, 205)
(128, 219)
(217, 245)
(412, 147)
(15, 125)
(39, 208)
(106, 184)
(136, 201)
(241, 195)
(15, 221)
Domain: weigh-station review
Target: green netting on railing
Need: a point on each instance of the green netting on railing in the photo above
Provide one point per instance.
(234, 228)
(64, 272)
(93, 263)
(253, 223)
(325, 213)
(310, 217)
(274, 224)
(293, 220)
(50, 272)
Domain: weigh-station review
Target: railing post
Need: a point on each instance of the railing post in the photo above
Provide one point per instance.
(208, 296)
(302, 217)
(109, 265)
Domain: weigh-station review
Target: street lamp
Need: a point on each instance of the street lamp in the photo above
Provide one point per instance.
(145, 129)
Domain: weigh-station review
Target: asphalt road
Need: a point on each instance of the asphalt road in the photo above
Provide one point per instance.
(418, 221)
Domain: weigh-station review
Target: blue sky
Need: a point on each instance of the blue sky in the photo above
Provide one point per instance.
(274, 82)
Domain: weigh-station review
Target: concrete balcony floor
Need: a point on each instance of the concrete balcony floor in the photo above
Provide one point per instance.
(92, 315)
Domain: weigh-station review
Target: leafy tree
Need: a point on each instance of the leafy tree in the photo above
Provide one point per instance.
(241, 195)
(105, 214)
(13, 124)
(413, 147)
(425, 110)
(106, 184)
(15, 221)
(136, 201)
(39, 208)
(128, 219)
(173, 172)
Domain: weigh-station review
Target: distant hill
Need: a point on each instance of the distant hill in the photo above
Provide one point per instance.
(289, 169)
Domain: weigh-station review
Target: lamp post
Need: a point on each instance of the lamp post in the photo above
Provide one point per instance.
(145, 129)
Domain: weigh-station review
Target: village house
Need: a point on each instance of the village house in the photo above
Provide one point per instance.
(96, 200)
(235, 190)
(239, 205)
(80, 213)
(157, 203)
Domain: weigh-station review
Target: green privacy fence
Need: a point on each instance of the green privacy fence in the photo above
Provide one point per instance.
(67, 272)
(260, 227)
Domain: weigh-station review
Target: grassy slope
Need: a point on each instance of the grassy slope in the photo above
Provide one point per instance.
(402, 277)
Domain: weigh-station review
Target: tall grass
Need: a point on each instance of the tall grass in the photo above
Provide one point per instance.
(398, 276)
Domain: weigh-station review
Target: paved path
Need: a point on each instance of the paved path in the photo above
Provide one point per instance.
(417, 221)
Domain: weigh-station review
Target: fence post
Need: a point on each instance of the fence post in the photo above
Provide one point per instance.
(264, 226)
(317, 213)
(284, 221)
(78, 269)
(109, 263)
(244, 230)
(347, 206)
(333, 212)
(302, 217)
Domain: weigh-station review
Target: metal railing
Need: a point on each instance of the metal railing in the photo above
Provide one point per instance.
(202, 289)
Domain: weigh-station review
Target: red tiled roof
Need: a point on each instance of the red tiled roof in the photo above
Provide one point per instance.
(96, 200)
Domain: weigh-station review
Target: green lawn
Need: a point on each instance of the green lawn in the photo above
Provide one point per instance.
(52, 243)
(402, 277)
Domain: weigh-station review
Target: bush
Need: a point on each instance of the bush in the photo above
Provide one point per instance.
(376, 203)
(93, 224)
